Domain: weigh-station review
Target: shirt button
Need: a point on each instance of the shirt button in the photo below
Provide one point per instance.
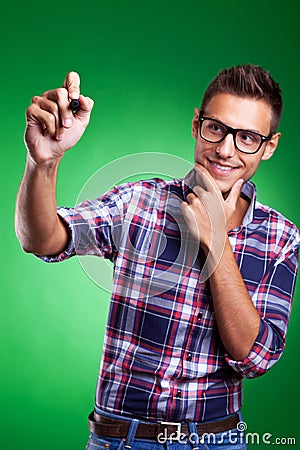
(200, 315)
(178, 395)
(189, 357)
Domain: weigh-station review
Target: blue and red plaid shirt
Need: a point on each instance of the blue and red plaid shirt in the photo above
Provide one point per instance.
(163, 358)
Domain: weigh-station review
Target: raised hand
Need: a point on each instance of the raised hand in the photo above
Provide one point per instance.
(51, 127)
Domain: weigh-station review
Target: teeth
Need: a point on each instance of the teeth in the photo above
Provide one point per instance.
(222, 167)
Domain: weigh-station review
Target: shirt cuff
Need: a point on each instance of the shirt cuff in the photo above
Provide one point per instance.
(70, 250)
(262, 356)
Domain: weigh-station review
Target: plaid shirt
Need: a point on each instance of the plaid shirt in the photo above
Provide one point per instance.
(163, 358)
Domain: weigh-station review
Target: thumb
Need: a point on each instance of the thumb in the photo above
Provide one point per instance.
(235, 192)
(72, 84)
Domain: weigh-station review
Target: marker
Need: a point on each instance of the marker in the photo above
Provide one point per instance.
(74, 105)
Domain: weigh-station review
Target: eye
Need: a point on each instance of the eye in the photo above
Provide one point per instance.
(248, 137)
(215, 128)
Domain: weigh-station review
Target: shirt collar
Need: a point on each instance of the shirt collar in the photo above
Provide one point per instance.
(248, 192)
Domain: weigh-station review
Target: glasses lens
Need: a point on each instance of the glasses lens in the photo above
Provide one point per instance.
(247, 142)
(212, 131)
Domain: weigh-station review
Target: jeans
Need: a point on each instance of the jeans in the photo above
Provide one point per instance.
(227, 440)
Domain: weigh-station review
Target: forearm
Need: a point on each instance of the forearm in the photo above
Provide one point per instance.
(237, 319)
(38, 226)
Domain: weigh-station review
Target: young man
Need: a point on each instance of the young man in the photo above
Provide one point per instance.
(184, 327)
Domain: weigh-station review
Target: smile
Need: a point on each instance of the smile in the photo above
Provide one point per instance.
(226, 168)
(221, 167)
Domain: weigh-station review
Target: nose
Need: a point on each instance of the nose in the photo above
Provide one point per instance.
(226, 148)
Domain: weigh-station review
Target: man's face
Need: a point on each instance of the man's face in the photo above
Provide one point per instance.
(224, 162)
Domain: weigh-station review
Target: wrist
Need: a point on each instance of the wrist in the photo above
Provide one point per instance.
(47, 166)
(215, 246)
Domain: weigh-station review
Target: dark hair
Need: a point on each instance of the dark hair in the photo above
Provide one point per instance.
(248, 81)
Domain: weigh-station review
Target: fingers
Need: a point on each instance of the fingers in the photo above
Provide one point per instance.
(86, 106)
(72, 85)
(44, 119)
(52, 110)
(192, 197)
(60, 98)
(204, 178)
(235, 192)
(199, 191)
(55, 103)
(190, 218)
(195, 202)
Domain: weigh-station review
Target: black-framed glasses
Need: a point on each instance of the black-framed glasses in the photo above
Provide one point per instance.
(246, 141)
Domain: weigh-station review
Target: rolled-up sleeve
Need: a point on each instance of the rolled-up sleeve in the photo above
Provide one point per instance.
(273, 300)
(93, 225)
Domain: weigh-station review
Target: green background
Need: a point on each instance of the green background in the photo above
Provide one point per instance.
(146, 65)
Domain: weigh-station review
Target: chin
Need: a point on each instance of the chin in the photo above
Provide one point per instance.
(224, 188)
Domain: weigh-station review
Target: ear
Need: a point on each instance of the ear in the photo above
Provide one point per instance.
(271, 147)
(195, 123)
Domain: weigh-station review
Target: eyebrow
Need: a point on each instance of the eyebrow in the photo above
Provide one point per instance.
(243, 129)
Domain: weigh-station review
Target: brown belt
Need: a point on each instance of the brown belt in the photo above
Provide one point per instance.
(109, 427)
